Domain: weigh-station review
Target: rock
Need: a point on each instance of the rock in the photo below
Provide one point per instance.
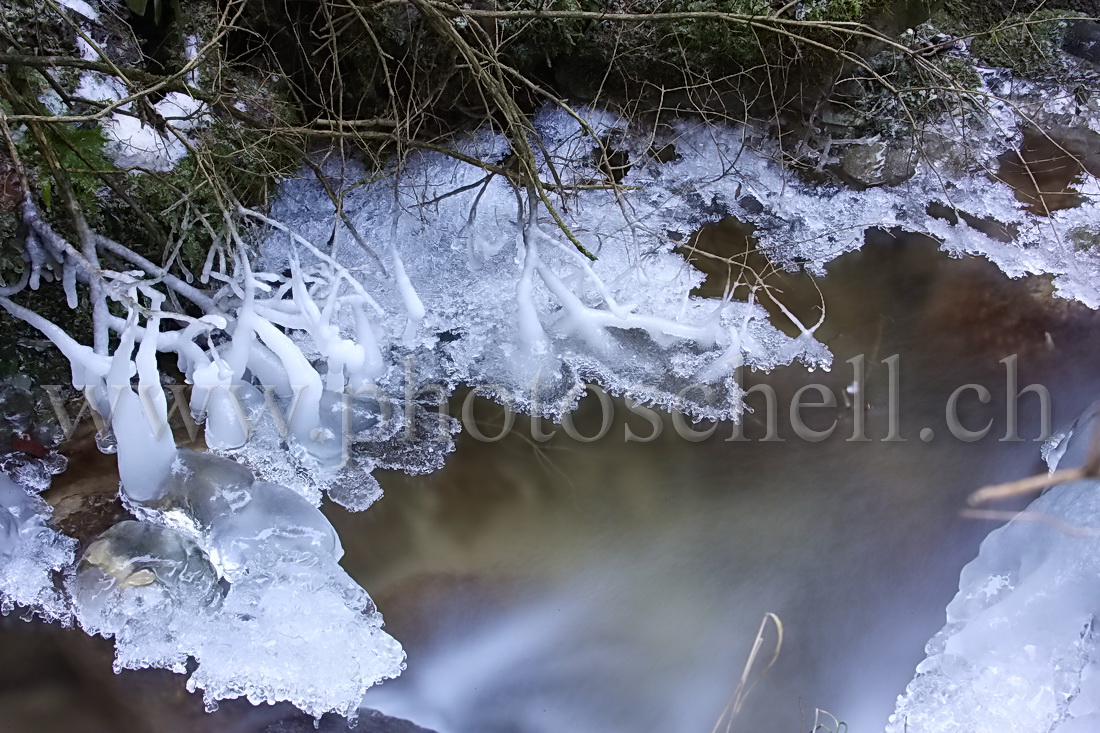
(842, 121)
(370, 721)
(1083, 40)
(875, 164)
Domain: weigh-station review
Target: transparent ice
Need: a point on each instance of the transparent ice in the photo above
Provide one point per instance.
(33, 556)
(240, 575)
(145, 586)
(1020, 650)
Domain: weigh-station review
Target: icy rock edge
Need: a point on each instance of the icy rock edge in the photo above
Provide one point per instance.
(1021, 648)
(243, 577)
(32, 556)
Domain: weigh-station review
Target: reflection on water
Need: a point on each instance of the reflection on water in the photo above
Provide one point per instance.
(1049, 166)
(614, 586)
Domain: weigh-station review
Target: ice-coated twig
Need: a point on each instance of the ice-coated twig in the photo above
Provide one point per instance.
(188, 291)
(414, 307)
(531, 331)
(88, 367)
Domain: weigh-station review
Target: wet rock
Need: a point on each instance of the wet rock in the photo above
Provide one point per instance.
(85, 516)
(1083, 40)
(751, 204)
(842, 121)
(876, 164)
(370, 721)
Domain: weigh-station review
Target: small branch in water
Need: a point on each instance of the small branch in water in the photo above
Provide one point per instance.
(1028, 485)
(998, 515)
(1032, 484)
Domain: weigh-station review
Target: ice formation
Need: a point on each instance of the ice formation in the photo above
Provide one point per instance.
(32, 555)
(241, 576)
(1021, 650)
(335, 338)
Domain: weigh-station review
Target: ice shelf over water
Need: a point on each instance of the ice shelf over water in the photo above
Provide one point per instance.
(31, 555)
(469, 282)
(1021, 651)
(241, 576)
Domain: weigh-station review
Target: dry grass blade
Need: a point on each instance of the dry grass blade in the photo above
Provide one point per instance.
(826, 721)
(1029, 485)
(737, 698)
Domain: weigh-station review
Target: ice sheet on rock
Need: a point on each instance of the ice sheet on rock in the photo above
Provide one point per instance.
(243, 576)
(32, 555)
(1020, 650)
(274, 456)
(735, 172)
(1069, 447)
(146, 586)
(274, 526)
(200, 488)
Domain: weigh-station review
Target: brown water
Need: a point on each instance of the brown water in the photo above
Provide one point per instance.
(1049, 165)
(614, 586)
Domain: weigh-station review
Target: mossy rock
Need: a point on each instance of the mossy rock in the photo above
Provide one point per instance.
(1085, 239)
(1028, 44)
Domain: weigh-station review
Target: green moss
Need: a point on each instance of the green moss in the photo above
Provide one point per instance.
(174, 200)
(1085, 239)
(840, 10)
(244, 163)
(1028, 44)
(80, 153)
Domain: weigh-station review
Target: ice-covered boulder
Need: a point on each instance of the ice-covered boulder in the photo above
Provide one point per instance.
(243, 577)
(145, 586)
(298, 641)
(274, 526)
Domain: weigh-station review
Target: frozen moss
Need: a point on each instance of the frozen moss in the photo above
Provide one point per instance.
(1085, 239)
